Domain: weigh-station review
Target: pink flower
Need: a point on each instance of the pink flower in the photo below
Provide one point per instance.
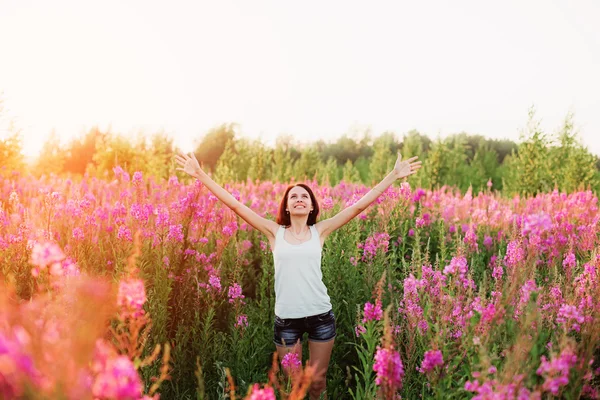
(78, 234)
(514, 254)
(242, 321)
(389, 368)
(359, 330)
(175, 233)
(131, 297)
(124, 233)
(215, 282)
(432, 359)
(235, 292)
(488, 242)
(230, 229)
(137, 178)
(267, 393)
(372, 312)
(290, 362)
(118, 379)
(570, 316)
(327, 203)
(44, 254)
(556, 371)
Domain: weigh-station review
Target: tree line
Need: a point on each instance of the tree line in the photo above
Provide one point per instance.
(539, 162)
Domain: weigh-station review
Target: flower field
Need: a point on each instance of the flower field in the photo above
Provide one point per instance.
(132, 288)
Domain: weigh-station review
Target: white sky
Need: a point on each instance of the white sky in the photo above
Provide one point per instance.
(312, 69)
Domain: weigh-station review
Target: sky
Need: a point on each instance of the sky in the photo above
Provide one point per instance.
(310, 69)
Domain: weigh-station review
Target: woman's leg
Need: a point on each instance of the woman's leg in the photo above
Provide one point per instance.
(320, 354)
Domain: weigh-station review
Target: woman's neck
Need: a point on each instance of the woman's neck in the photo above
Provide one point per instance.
(298, 225)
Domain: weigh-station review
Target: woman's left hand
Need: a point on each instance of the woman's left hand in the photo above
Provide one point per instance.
(403, 169)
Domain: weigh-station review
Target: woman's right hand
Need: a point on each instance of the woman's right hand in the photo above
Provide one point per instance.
(189, 164)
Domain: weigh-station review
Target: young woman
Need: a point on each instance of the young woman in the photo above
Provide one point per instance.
(296, 239)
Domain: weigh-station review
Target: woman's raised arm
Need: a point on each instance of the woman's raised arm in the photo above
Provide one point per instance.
(190, 165)
(402, 169)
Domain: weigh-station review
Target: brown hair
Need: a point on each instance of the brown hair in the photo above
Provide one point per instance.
(283, 218)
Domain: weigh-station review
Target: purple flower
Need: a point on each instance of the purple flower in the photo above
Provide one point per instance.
(372, 312)
(432, 359)
(175, 233)
(266, 393)
(290, 362)
(131, 297)
(235, 292)
(389, 368)
(327, 203)
(215, 282)
(242, 321)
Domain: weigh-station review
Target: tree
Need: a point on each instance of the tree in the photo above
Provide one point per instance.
(161, 152)
(11, 149)
(52, 157)
(282, 163)
(350, 174)
(308, 164)
(529, 171)
(213, 144)
(572, 166)
(260, 163)
(384, 156)
(81, 150)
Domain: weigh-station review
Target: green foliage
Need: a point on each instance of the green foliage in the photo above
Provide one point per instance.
(213, 145)
(529, 168)
(52, 158)
(308, 164)
(282, 164)
(385, 153)
(349, 173)
(11, 156)
(572, 166)
(81, 150)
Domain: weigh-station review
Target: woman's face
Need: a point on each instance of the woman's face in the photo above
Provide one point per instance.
(298, 201)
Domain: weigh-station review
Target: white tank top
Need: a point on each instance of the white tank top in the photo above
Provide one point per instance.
(299, 288)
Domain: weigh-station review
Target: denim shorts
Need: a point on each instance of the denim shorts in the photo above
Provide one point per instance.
(320, 328)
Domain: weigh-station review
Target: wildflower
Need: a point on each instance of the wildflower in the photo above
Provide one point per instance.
(242, 321)
(388, 367)
(327, 203)
(556, 371)
(44, 254)
(175, 233)
(131, 297)
(137, 178)
(569, 262)
(124, 233)
(118, 379)
(215, 282)
(78, 233)
(526, 290)
(431, 359)
(230, 229)
(267, 393)
(359, 330)
(570, 315)
(514, 254)
(290, 362)
(235, 292)
(372, 312)
(263, 245)
(488, 242)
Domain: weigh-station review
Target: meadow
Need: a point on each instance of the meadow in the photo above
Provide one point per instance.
(130, 287)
